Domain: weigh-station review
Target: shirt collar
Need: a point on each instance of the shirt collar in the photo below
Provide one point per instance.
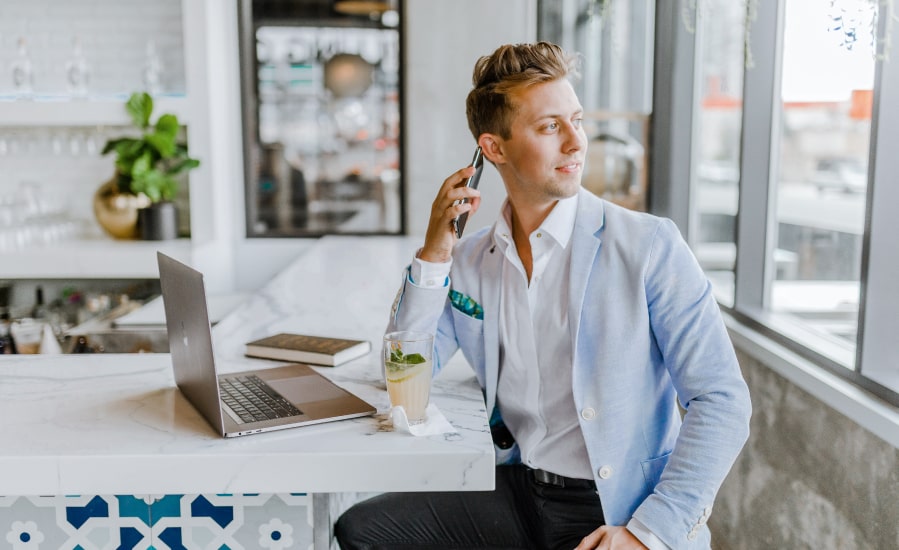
(559, 224)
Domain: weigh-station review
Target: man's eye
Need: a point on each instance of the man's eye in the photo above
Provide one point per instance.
(552, 126)
(577, 122)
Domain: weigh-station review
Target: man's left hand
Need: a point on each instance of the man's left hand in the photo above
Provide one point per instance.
(610, 538)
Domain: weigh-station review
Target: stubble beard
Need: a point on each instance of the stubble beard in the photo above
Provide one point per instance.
(564, 189)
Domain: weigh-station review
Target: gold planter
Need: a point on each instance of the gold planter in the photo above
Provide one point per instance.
(116, 212)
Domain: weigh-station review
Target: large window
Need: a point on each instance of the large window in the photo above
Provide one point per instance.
(792, 174)
(822, 174)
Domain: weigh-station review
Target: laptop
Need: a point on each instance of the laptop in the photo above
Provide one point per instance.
(246, 402)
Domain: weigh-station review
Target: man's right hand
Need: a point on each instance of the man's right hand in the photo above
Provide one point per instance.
(447, 206)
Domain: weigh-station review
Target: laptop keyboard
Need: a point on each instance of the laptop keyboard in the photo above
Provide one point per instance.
(253, 400)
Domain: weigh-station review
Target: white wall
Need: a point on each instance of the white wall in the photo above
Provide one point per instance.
(443, 40)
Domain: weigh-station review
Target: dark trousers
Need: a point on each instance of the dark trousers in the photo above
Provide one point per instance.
(522, 513)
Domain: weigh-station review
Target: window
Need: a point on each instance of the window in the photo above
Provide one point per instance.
(822, 173)
(809, 258)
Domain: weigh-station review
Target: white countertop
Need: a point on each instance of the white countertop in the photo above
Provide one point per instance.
(116, 424)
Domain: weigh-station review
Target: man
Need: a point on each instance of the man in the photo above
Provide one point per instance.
(585, 323)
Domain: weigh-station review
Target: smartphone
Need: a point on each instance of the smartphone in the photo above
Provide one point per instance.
(478, 163)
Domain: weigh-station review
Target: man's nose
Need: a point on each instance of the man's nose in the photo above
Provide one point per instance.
(575, 139)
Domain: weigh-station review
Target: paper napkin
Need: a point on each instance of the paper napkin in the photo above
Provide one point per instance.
(434, 424)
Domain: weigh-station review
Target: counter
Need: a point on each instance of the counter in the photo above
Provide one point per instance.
(116, 424)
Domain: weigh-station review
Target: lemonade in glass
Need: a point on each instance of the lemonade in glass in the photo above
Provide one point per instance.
(407, 370)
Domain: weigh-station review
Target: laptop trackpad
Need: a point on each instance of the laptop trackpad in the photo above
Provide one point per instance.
(305, 389)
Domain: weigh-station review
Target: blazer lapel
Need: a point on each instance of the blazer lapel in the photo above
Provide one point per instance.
(585, 244)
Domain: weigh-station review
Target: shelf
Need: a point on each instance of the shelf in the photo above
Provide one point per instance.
(87, 112)
(92, 259)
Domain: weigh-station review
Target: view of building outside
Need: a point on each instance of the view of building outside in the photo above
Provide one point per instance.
(822, 152)
(827, 83)
(717, 140)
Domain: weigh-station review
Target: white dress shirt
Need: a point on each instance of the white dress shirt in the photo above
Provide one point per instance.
(534, 339)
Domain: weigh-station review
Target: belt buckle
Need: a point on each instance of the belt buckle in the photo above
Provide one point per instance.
(548, 478)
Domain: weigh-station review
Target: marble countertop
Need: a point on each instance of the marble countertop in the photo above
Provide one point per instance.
(116, 424)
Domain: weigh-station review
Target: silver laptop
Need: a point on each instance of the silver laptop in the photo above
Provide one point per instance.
(244, 402)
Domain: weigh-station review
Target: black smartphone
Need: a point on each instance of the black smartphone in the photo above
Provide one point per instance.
(478, 163)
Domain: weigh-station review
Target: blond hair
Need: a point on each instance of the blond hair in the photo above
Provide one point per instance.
(511, 67)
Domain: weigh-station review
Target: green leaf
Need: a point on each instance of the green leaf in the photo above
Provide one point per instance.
(128, 149)
(163, 143)
(170, 188)
(168, 125)
(154, 184)
(112, 145)
(140, 107)
(182, 165)
(396, 356)
(142, 165)
(414, 359)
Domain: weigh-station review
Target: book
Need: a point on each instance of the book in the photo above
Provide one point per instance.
(305, 348)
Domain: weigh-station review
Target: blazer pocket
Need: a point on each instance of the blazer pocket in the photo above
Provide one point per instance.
(466, 305)
(466, 324)
(652, 470)
(470, 336)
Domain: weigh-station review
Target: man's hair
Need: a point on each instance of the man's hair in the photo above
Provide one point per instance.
(511, 67)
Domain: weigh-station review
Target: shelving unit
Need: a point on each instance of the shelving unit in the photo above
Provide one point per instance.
(98, 258)
(87, 112)
(208, 249)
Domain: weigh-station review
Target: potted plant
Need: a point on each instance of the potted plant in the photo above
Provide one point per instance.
(139, 196)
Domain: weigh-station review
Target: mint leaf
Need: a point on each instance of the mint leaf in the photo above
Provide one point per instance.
(396, 356)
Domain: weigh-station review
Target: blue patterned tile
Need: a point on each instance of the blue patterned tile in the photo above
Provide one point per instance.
(78, 515)
(165, 522)
(222, 515)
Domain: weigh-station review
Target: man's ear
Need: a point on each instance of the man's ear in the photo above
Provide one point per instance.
(491, 146)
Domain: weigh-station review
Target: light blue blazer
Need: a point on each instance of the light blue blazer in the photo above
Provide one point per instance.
(646, 333)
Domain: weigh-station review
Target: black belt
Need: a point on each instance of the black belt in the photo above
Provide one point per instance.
(555, 480)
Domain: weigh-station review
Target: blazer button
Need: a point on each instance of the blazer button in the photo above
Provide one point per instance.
(605, 472)
(588, 413)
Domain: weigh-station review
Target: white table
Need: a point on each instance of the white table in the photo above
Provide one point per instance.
(116, 424)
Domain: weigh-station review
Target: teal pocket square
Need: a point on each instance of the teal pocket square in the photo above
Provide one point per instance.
(466, 305)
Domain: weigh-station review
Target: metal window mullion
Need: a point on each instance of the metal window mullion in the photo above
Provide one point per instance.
(878, 346)
(760, 143)
(672, 116)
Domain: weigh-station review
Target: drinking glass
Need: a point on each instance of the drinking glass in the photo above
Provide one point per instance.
(27, 334)
(408, 359)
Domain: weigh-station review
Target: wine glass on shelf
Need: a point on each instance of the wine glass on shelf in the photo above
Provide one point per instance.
(78, 71)
(23, 71)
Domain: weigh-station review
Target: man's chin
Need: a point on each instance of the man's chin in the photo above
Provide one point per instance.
(567, 191)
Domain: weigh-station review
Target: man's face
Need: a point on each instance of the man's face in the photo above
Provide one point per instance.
(544, 157)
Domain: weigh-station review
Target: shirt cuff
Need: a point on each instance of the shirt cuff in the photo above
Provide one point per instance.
(429, 274)
(646, 536)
